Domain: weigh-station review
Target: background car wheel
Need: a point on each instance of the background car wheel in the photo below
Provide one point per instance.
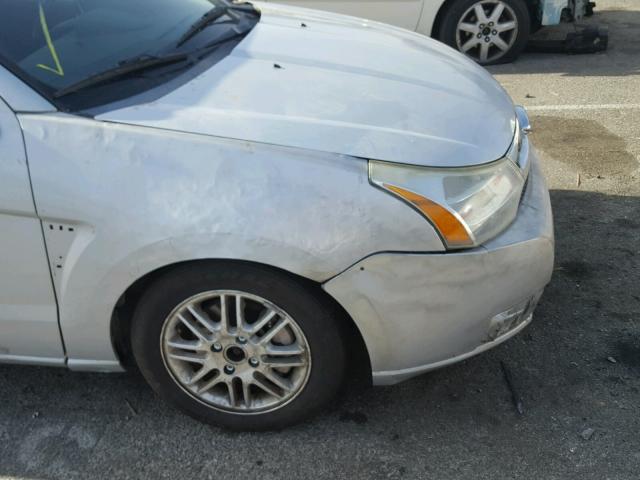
(241, 346)
(489, 31)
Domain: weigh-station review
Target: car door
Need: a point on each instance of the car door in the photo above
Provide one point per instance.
(29, 330)
(401, 13)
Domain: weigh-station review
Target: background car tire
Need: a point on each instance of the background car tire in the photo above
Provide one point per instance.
(464, 30)
(321, 330)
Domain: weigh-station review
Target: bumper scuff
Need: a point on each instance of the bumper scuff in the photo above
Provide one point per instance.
(418, 312)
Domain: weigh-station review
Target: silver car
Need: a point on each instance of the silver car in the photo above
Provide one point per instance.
(252, 202)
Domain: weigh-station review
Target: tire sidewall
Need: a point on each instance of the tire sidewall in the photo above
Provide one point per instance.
(322, 332)
(449, 24)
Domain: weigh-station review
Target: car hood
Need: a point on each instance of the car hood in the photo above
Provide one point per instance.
(339, 84)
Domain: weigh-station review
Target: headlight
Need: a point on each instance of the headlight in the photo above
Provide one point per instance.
(467, 206)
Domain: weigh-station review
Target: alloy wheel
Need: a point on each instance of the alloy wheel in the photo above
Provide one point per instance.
(487, 30)
(235, 351)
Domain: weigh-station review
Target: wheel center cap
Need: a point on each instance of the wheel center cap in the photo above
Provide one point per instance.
(235, 354)
(486, 31)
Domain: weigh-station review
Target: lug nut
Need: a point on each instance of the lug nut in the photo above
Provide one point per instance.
(491, 24)
(241, 339)
(216, 347)
(228, 369)
(253, 361)
(494, 32)
(487, 39)
(481, 26)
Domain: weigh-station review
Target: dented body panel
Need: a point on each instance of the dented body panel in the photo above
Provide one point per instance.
(139, 199)
(418, 312)
(263, 157)
(28, 317)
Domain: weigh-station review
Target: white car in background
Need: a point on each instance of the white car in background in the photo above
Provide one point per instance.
(251, 205)
(489, 31)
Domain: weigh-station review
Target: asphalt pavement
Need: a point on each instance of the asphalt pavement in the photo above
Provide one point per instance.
(576, 368)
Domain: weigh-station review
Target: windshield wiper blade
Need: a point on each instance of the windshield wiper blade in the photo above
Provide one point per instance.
(126, 67)
(211, 16)
(207, 19)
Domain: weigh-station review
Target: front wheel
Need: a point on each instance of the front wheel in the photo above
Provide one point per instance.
(489, 31)
(239, 345)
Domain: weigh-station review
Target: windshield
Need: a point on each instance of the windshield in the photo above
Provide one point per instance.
(55, 44)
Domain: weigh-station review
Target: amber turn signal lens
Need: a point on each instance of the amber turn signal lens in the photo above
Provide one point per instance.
(451, 229)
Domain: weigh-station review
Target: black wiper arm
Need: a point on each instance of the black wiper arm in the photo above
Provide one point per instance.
(211, 16)
(125, 67)
(200, 24)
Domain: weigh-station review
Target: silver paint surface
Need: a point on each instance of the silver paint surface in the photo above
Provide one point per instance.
(268, 165)
(28, 317)
(141, 198)
(20, 97)
(421, 311)
(365, 90)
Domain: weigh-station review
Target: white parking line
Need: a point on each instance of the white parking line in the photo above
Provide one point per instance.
(605, 106)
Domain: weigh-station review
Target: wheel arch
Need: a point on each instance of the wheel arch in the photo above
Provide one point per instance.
(123, 311)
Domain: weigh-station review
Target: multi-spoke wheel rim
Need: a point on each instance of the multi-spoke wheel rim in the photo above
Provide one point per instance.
(235, 351)
(487, 30)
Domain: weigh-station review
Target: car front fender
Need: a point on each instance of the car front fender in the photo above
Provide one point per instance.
(120, 201)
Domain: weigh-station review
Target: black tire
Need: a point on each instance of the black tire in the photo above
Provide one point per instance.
(447, 29)
(314, 316)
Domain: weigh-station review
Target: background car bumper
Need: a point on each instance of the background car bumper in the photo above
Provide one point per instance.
(417, 312)
(551, 10)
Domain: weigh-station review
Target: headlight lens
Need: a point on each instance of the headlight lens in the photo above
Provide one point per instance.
(467, 206)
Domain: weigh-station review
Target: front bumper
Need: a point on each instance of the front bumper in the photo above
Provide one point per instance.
(417, 312)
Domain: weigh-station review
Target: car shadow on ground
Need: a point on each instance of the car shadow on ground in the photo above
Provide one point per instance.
(624, 42)
(576, 368)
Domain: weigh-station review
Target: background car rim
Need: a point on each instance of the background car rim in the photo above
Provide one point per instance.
(235, 351)
(487, 30)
